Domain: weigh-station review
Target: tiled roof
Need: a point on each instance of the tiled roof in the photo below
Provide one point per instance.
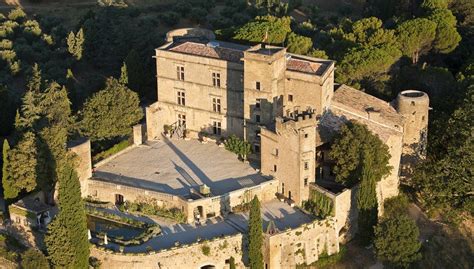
(200, 49)
(305, 66)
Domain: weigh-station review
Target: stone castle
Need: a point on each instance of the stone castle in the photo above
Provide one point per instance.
(288, 107)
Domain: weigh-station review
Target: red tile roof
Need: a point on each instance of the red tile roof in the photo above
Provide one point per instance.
(199, 49)
(305, 66)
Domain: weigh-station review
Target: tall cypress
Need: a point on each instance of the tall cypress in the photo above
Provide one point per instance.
(5, 176)
(255, 235)
(367, 200)
(66, 239)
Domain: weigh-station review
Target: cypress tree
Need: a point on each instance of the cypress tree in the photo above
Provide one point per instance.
(35, 80)
(255, 235)
(367, 200)
(66, 239)
(6, 180)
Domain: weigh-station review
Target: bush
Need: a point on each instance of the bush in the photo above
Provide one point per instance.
(34, 259)
(396, 206)
(111, 151)
(396, 241)
(238, 146)
(319, 204)
(206, 250)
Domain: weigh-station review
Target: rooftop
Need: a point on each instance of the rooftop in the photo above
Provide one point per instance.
(363, 104)
(306, 66)
(235, 52)
(177, 166)
(225, 51)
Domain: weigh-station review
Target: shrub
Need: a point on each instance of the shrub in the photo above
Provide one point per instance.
(33, 259)
(238, 146)
(206, 250)
(111, 151)
(319, 204)
(396, 206)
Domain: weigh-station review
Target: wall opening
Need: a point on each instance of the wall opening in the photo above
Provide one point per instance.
(118, 199)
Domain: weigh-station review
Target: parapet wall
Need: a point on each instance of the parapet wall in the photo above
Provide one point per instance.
(284, 249)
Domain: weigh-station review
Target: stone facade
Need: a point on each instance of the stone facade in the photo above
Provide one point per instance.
(281, 249)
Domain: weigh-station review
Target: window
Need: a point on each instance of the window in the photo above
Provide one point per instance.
(181, 98)
(257, 135)
(257, 118)
(180, 72)
(306, 181)
(290, 97)
(257, 85)
(216, 104)
(275, 151)
(257, 104)
(256, 148)
(274, 168)
(216, 79)
(182, 119)
(216, 127)
(306, 165)
(305, 135)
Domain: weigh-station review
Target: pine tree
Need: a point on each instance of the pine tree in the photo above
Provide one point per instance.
(35, 80)
(75, 44)
(123, 75)
(255, 235)
(71, 43)
(367, 200)
(30, 111)
(66, 240)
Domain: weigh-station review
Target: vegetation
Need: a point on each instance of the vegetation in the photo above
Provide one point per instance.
(319, 204)
(66, 239)
(396, 241)
(255, 236)
(206, 250)
(238, 146)
(351, 149)
(110, 113)
(325, 260)
(111, 151)
(34, 259)
(150, 208)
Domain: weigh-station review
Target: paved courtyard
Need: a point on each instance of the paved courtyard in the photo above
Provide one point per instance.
(176, 166)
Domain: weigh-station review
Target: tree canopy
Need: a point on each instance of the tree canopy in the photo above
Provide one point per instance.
(268, 29)
(416, 37)
(350, 145)
(396, 241)
(111, 112)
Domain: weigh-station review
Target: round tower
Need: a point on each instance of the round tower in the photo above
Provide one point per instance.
(414, 106)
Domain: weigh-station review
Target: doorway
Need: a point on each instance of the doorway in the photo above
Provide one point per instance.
(118, 199)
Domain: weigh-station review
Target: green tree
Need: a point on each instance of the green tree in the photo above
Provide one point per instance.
(367, 200)
(371, 63)
(75, 44)
(35, 80)
(7, 111)
(34, 259)
(351, 144)
(66, 239)
(110, 113)
(19, 173)
(370, 32)
(396, 241)
(136, 73)
(267, 29)
(16, 14)
(298, 44)
(30, 111)
(123, 75)
(238, 146)
(7, 182)
(416, 37)
(255, 235)
(447, 37)
(446, 179)
(434, 4)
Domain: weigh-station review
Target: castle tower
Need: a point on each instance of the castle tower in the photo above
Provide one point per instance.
(414, 106)
(291, 145)
(264, 79)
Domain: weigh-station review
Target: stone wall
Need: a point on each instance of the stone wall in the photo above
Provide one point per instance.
(185, 256)
(301, 245)
(284, 249)
(82, 148)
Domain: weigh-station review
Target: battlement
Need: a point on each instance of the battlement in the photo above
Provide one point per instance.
(297, 120)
